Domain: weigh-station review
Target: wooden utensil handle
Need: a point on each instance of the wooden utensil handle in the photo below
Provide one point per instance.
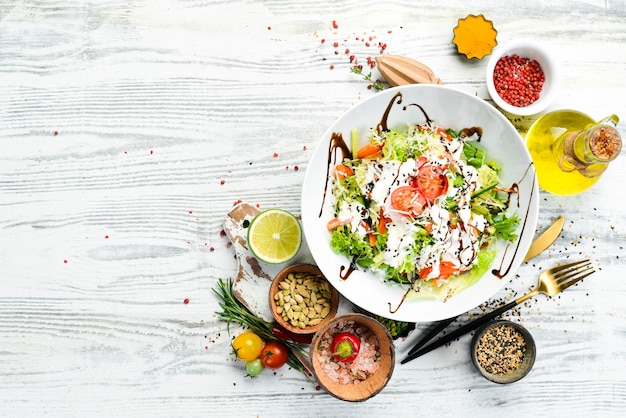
(470, 326)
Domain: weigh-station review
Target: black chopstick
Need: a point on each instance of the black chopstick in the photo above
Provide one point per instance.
(439, 326)
(470, 326)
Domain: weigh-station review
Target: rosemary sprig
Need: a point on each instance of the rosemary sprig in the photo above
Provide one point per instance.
(234, 311)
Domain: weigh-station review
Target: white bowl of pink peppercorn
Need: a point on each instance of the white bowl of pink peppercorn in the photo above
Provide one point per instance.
(523, 78)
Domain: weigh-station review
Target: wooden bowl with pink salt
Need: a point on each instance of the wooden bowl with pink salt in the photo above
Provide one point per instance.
(339, 371)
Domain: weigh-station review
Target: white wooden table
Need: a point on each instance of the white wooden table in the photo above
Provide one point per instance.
(129, 128)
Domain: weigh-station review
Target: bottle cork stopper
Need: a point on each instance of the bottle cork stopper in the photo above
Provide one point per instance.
(605, 143)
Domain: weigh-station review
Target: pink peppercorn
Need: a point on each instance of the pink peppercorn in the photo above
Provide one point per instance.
(518, 80)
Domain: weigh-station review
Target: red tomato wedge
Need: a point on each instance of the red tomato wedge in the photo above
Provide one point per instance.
(408, 200)
(369, 150)
(431, 182)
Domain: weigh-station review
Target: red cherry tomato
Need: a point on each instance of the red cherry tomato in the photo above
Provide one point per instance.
(274, 355)
(408, 200)
(431, 182)
(345, 347)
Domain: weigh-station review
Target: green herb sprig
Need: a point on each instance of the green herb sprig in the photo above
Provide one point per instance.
(375, 84)
(234, 311)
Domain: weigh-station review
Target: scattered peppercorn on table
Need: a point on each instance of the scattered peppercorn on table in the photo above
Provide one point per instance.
(129, 130)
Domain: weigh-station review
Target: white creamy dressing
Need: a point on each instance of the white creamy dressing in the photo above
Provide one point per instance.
(458, 244)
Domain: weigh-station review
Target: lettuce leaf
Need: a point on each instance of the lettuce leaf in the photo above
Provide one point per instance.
(343, 241)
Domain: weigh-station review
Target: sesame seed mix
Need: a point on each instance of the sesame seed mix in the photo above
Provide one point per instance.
(500, 350)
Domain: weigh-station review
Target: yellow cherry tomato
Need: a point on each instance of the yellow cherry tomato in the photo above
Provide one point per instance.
(248, 346)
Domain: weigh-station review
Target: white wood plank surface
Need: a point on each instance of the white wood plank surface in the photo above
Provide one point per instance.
(128, 129)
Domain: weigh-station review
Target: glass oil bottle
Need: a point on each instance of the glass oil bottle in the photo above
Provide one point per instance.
(571, 151)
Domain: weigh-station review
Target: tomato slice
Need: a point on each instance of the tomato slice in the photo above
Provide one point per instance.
(431, 182)
(408, 200)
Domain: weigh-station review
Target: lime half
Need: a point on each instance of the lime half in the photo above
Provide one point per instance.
(274, 236)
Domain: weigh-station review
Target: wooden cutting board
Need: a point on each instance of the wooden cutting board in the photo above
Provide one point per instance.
(252, 283)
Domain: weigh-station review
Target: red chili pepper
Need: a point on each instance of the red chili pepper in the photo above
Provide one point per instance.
(345, 347)
(284, 334)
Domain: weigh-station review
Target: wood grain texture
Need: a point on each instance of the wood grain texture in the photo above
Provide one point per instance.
(128, 129)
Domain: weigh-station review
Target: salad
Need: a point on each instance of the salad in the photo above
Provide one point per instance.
(422, 206)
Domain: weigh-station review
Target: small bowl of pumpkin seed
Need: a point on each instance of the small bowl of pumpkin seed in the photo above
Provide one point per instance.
(302, 300)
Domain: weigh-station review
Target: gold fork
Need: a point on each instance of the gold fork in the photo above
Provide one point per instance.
(551, 282)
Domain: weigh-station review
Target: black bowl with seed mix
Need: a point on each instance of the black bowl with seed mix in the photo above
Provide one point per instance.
(503, 351)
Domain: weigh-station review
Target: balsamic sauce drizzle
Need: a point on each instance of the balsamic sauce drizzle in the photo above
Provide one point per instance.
(428, 120)
(344, 272)
(467, 132)
(336, 143)
(382, 125)
(501, 272)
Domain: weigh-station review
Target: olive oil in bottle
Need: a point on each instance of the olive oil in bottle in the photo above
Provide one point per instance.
(571, 151)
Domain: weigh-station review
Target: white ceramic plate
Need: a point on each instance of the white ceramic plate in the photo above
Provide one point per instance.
(448, 108)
